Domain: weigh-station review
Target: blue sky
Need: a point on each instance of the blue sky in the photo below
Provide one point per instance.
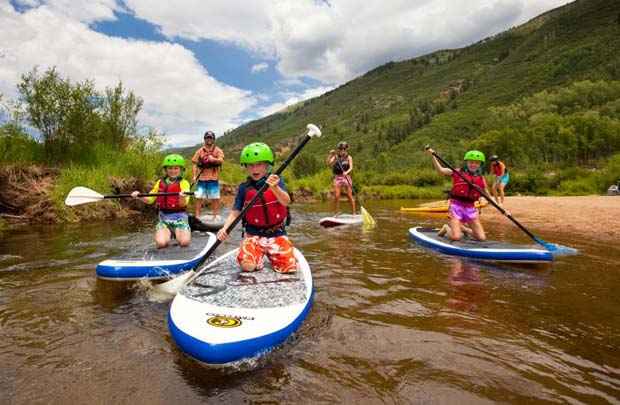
(214, 64)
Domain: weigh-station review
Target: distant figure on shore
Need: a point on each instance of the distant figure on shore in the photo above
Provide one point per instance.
(498, 168)
(207, 162)
(342, 164)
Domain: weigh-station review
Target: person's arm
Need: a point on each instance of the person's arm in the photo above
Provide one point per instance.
(331, 158)
(350, 166)
(440, 169)
(220, 157)
(222, 234)
(195, 168)
(184, 199)
(148, 200)
(276, 185)
(234, 213)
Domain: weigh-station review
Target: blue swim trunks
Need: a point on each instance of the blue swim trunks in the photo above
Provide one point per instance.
(208, 189)
(503, 179)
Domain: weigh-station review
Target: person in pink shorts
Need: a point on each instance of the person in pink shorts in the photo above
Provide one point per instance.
(342, 164)
(462, 211)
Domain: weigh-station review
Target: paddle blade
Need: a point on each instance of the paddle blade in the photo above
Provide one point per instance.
(557, 250)
(368, 220)
(82, 195)
(313, 131)
(173, 286)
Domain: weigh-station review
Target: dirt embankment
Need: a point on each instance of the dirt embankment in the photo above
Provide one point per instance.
(26, 197)
(594, 217)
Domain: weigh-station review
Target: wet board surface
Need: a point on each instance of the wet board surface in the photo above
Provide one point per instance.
(481, 250)
(146, 261)
(339, 220)
(225, 314)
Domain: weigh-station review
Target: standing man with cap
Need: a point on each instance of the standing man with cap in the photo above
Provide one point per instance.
(207, 162)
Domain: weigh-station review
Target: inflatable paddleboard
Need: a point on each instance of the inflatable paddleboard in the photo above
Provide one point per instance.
(225, 315)
(487, 250)
(156, 263)
(339, 220)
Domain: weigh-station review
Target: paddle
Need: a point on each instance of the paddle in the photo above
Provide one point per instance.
(82, 195)
(368, 220)
(549, 246)
(174, 285)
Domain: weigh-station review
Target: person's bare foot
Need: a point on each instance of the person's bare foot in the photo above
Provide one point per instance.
(444, 230)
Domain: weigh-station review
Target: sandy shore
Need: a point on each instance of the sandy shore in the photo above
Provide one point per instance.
(594, 217)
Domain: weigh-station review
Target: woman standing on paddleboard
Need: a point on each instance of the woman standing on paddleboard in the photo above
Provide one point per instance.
(342, 164)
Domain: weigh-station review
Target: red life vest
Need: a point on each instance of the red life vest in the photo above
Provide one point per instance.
(203, 161)
(169, 203)
(464, 192)
(497, 168)
(267, 212)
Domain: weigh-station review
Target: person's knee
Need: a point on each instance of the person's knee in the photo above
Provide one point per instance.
(161, 243)
(247, 265)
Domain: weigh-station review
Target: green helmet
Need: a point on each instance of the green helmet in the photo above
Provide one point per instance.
(256, 152)
(174, 160)
(474, 155)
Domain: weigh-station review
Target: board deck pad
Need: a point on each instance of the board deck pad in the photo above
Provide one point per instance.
(146, 251)
(226, 285)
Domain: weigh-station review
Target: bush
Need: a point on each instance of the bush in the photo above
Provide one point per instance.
(305, 165)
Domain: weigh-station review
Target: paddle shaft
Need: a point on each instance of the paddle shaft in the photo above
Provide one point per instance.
(251, 203)
(145, 195)
(489, 199)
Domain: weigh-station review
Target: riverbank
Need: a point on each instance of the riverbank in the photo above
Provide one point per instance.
(593, 217)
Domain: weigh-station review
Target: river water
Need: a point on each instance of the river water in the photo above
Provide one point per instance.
(391, 323)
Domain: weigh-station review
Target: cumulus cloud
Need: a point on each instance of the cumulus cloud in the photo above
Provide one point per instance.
(291, 98)
(180, 97)
(260, 67)
(337, 40)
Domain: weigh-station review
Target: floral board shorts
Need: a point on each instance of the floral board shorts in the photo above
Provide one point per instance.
(462, 211)
(340, 180)
(173, 221)
(208, 189)
(279, 251)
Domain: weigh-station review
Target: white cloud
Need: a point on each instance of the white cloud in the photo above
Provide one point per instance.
(337, 40)
(292, 98)
(179, 95)
(260, 67)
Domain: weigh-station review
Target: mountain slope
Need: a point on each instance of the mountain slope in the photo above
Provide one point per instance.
(443, 98)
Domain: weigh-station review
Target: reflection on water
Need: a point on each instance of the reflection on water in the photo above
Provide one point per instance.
(391, 322)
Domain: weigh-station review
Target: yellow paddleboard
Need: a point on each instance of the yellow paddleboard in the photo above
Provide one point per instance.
(437, 208)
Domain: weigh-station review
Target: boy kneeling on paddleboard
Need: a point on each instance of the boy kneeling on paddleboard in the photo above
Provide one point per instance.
(265, 222)
(463, 196)
(172, 214)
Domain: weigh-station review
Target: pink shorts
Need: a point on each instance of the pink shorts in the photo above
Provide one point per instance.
(342, 181)
(464, 212)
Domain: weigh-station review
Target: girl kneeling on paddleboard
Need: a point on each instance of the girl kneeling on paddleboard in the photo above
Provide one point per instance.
(172, 214)
(342, 164)
(463, 196)
(264, 223)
